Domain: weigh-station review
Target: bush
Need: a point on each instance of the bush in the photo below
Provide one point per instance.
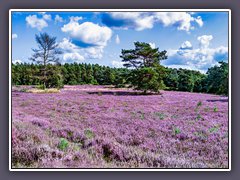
(63, 144)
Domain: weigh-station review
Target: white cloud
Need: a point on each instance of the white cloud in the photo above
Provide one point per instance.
(14, 36)
(35, 22)
(58, 19)
(68, 46)
(73, 57)
(117, 40)
(117, 64)
(95, 52)
(153, 45)
(88, 32)
(47, 17)
(145, 20)
(17, 61)
(74, 52)
(181, 19)
(204, 40)
(200, 58)
(136, 20)
(199, 21)
(186, 45)
(75, 18)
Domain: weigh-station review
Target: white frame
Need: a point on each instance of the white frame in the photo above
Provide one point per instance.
(117, 10)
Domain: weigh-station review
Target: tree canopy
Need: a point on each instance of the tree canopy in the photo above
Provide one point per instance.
(142, 56)
(145, 60)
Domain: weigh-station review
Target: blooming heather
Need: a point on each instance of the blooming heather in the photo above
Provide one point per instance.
(118, 128)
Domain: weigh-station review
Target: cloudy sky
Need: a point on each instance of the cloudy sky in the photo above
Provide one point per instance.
(193, 40)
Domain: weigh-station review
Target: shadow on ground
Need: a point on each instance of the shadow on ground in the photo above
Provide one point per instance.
(122, 93)
(217, 100)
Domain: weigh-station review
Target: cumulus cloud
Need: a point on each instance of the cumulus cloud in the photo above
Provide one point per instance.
(199, 21)
(87, 39)
(186, 45)
(68, 46)
(117, 40)
(153, 45)
(88, 33)
(95, 52)
(58, 19)
(204, 40)
(47, 17)
(35, 22)
(76, 53)
(73, 57)
(117, 64)
(200, 58)
(14, 36)
(75, 18)
(145, 20)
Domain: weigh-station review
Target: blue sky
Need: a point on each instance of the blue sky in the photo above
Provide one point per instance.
(193, 40)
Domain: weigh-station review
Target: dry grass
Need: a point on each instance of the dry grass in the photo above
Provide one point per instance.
(39, 91)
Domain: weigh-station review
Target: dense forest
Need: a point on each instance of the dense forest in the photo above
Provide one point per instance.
(214, 81)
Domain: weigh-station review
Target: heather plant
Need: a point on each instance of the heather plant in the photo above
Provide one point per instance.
(160, 115)
(142, 115)
(89, 134)
(206, 109)
(199, 117)
(73, 129)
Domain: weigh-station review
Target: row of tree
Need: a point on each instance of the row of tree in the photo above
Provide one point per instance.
(215, 81)
(70, 74)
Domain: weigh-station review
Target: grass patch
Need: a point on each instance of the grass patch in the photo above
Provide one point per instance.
(63, 144)
(89, 134)
(160, 115)
(42, 91)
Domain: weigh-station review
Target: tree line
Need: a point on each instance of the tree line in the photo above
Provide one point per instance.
(214, 81)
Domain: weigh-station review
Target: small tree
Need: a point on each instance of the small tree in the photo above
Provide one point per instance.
(46, 53)
(147, 73)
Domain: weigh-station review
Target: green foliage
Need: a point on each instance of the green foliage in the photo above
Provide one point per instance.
(147, 74)
(213, 129)
(199, 103)
(215, 109)
(142, 56)
(146, 79)
(160, 115)
(184, 80)
(89, 134)
(53, 77)
(176, 130)
(217, 79)
(63, 144)
(199, 117)
(47, 53)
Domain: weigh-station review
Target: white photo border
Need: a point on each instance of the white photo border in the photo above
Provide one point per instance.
(119, 10)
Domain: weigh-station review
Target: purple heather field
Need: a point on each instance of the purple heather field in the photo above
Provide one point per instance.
(89, 126)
